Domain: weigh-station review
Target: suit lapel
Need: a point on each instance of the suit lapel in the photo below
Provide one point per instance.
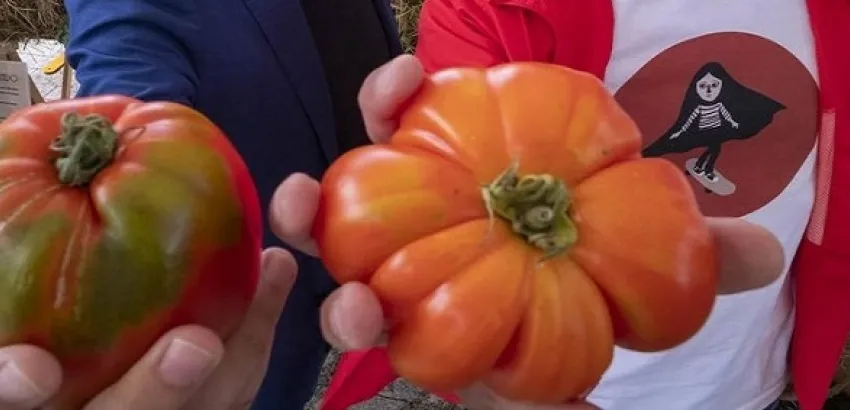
(388, 22)
(288, 33)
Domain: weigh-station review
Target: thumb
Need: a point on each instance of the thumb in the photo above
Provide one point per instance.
(385, 92)
(28, 377)
(167, 375)
(750, 256)
(241, 372)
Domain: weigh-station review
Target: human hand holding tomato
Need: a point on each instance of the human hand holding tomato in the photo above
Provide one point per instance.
(188, 368)
(749, 256)
(131, 252)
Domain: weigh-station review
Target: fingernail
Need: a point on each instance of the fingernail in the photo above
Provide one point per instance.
(15, 387)
(386, 81)
(265, 259)
(340, 327)
(184, 364)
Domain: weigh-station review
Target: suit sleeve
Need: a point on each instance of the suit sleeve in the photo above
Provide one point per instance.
(138, 48)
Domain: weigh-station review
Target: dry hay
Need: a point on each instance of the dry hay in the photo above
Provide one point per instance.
(25, 20)
(407, 17)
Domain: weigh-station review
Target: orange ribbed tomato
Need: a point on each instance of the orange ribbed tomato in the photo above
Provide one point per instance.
(515, 235)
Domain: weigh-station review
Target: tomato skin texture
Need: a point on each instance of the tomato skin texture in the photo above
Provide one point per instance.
(469, 300)
(169, 233)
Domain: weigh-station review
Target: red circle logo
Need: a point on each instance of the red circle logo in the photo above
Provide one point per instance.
(739, 124)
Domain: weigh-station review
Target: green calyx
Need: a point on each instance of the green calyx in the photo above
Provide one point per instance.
(536, 207)
(85, 146)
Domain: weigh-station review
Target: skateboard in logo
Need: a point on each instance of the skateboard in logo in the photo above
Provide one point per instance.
(720, 186)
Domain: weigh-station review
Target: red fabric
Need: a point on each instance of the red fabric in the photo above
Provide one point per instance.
(360, 376)
(579, 34)
(481, 33)
(822, 265)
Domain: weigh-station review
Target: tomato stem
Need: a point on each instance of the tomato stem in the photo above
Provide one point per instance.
(536, 207)
(85, 146)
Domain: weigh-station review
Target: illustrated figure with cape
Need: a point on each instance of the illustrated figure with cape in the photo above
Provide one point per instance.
(716, 109)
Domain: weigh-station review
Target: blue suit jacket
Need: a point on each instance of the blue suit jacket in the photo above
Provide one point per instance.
(253, 68)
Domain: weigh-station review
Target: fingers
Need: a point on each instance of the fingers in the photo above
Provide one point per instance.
(750, 256)
(238, 377)
(352, 318)
(28, 377)
(296, 201)
(168, 375)
(278, 275)
(479, 397)
(293, 210)
(385, 92)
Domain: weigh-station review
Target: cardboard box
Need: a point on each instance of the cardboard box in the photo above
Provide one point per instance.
(17, 89)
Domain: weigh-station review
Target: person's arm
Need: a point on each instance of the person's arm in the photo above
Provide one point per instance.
(688, 123)
(478, 33)
(137, 48)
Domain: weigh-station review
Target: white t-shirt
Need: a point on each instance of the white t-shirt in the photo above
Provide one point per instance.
(727, 90)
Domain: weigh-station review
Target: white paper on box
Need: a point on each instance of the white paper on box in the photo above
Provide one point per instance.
(14, 87)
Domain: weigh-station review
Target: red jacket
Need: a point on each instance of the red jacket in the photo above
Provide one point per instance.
(579, 34)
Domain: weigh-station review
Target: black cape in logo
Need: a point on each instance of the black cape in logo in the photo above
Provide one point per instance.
(751, 110)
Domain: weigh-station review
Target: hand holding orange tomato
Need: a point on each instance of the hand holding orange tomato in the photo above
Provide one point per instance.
(750, 257)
